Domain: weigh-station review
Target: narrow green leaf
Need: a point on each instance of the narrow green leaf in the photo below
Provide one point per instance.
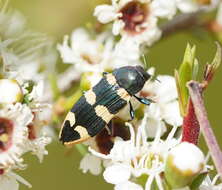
(187, 71)
(217, 58)
(181, 103)
(195, 69)
(198, 181)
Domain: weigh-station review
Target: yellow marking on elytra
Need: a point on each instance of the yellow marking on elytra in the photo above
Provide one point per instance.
(83, 136)
(90, 97)
(71, 118)
(82, 131)
(75, 142)
(123, 94)
(104, 113)
(111, 79)
(4, 137)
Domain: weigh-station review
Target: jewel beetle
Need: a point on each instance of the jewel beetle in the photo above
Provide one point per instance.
(97, 106)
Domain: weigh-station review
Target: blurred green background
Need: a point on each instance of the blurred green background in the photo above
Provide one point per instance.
(60, 169)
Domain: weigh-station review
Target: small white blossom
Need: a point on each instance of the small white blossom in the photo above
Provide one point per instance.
(166, 107)
(164, 8)
(135, 20)
(117, 174)
(209, 184)
(84, 51)
(14, 132)
(188, 6)
(12, 22)
(91, 163)
(37, 146)
(9, 180)
(130, 159)
(128, 185)
(98, 54)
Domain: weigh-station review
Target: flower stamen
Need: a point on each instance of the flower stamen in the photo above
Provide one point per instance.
(6, 128)
(133, 15)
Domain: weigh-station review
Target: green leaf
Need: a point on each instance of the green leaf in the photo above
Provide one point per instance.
(187, 71)
(26, 99)
(195, 69)
(217, 58)
(198, 181)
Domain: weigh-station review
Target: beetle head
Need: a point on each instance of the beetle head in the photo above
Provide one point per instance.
(131, 78)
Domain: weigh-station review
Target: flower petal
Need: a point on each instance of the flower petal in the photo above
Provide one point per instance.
(117, 173)
(171, 114)
(164, 8)
(128, 185)
(91, 163)
(105, 13)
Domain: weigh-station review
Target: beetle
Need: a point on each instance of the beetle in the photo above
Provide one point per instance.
(97, 106)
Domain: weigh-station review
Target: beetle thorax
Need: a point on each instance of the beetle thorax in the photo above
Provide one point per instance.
(132, 79)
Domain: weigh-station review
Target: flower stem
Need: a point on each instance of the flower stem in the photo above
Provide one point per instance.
(181, 22)
(195, 91)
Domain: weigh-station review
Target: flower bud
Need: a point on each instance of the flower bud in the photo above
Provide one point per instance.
(10, 90)
(183, 164)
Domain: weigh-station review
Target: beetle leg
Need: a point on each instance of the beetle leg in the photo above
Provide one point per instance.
(144, 100)
(132, 114)
(109, 128)
(105, 73)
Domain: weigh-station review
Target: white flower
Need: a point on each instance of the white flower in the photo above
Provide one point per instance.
(164, 8)
(66, 78)
(128, 185)
(133, 19)
(117, 174)
(126, 52)
(12, 22)
(9, 180)
(166, 107)
(14, 133)
(209, 184)
(130, 159)
(23, 52)
(37, 146)
(84, 51)
(91, 163)
(188, 6)
(98, 54)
